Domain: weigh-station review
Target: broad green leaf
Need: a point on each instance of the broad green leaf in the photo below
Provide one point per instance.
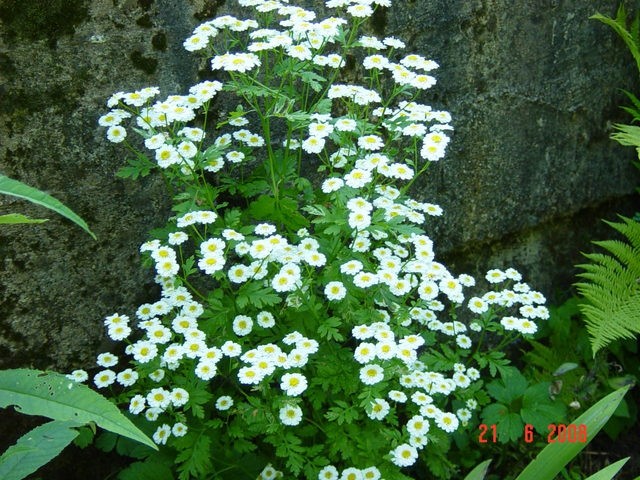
(36, 448)
(538, 409)
(16, 218)
(479, 472)
(18, 189)
(510, 428)
(552, 459)
(263, 207)
(53, 395)
(85, 437)
(511, 386)
(609, 472)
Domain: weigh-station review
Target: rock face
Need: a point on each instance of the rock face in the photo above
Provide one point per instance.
(532, 89)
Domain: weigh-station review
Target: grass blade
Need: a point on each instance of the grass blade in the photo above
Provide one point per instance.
(609, 472)
(479, 472)
(18, 189)
(16, 218)
(555, 456)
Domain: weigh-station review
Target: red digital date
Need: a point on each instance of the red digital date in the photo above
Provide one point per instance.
(483, 431)
(559, 433)
(567, 433)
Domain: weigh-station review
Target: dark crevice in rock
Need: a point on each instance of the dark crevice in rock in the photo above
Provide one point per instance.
(145, 21)
(148, 65)
(379, 21)
(210, 10)
(42, 20)
(159, 41)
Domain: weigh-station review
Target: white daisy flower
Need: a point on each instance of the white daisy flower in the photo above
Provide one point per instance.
(371, 374)
(404, 455)
(291, 415)
(335, 291)
(293, 384)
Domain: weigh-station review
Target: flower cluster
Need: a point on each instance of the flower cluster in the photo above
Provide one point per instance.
(311, 312)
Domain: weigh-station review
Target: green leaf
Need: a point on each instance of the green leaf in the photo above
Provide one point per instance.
(150, 469)
(195, 455)
(16, 218)
(564, 368)
(627, 135)
(343, 413)
(511, 386)
(198, 397)
(36, 448)
(130, 448)
(285, 211)
(552, 459)
(317, 210)
(619, 25)
(323, 106)
(136, 167)
(329, 329)
(262, 208)
(609, 472)
(18, 189)
(106, 441)
(85, 436)
(538, 409)
(251, 189)
(257, 295)
(510, 428)
(53, 395)
(479, 472)
(610, 292)
(494, 413)
(313, 80)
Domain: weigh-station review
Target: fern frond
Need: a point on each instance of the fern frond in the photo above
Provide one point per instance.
(627, 135)
(634, 110)
(619, 25)
(611, 287)
(628, 228)
(625, 254)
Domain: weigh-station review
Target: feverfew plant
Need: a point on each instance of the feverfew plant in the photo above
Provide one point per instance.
(304, 328)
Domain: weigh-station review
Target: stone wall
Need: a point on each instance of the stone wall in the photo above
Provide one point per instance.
(533, 87)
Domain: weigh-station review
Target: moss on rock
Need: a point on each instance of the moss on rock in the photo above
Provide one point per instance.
(39, 20)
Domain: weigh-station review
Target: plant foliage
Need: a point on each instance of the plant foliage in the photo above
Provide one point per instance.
(36, 448)
(9, 186)
(611, 287)
(629, 32)
(53, 395)
(553, 458)
(304, 326)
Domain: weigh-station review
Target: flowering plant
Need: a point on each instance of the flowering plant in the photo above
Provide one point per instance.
(304, 328)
